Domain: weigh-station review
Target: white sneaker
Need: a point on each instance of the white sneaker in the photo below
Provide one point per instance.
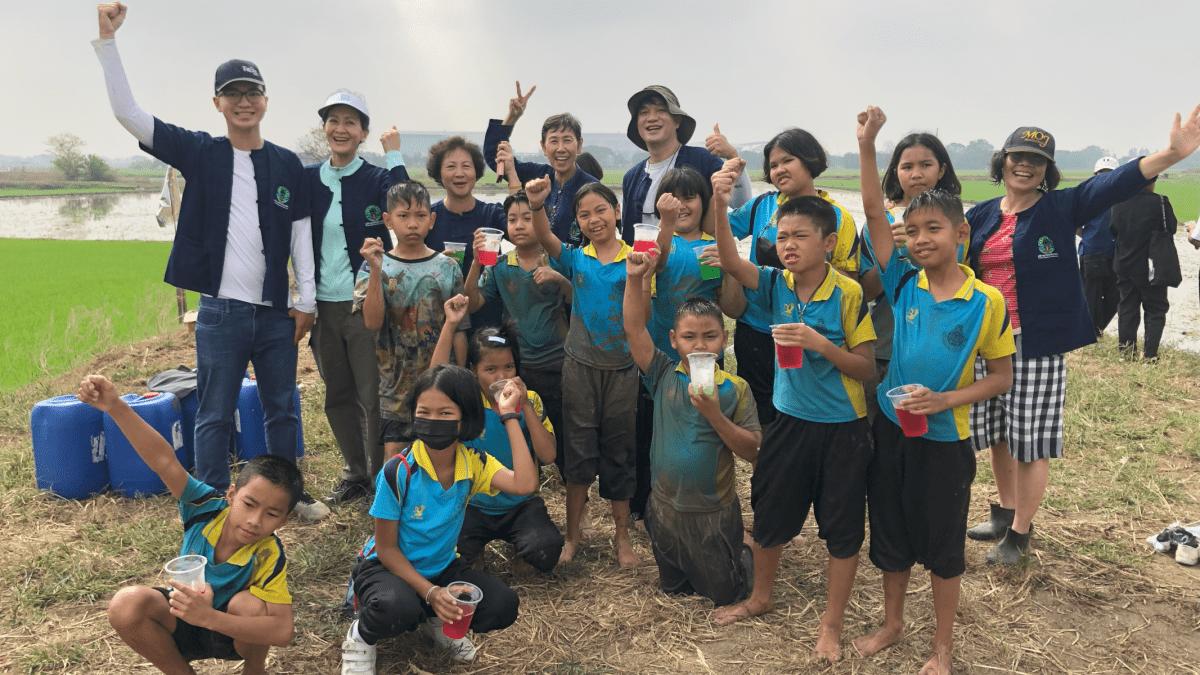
(358, 658)
(459, 650)
(310, 510)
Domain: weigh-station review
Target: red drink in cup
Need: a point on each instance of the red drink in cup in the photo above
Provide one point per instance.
(644, 237)
(467, 596)
(491, 246)
(911, 424)
(788, 357)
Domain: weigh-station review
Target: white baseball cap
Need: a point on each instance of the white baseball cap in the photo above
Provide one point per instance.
(1106, 164)
(349, 98)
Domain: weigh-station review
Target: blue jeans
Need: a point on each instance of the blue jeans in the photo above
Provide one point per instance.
(229, 335)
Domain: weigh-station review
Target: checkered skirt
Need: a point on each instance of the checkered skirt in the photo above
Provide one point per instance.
(1030, 415)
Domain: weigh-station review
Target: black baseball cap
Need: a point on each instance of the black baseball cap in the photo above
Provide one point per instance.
(237, 70)
(1031, 139)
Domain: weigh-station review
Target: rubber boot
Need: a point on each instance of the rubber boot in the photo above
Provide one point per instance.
(1010, 549)
(995, 527)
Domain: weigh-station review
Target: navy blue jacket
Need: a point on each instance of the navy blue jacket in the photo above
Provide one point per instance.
(1054, 315)
(560, 204)
(206, 163)
(364, 199)
(635, 187)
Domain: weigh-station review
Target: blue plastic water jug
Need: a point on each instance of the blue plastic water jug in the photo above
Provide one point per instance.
(250, 423)
(68, 447)
(129, 475)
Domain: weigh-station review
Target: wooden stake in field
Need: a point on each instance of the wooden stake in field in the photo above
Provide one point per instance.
(171, 189)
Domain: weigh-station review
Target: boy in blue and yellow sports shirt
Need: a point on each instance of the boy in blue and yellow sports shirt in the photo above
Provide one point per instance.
(421, 495)
(919, 489)
(244, 608)
(817, 451)
(693, 515)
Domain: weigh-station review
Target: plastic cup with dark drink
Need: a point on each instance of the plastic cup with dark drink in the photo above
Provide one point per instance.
(491, 246)
(788, 357)
(456, 250)
(912, 424)
(644, 237)
(466, 596)
(706, 272)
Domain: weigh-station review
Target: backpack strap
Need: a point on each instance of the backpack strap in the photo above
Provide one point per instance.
(754, 207)
(400, 463)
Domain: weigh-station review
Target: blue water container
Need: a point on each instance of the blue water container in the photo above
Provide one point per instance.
(129, 475)
(68, 447)
(250, 423)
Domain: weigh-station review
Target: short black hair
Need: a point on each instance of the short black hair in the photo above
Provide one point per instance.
(801, 145)
(408, 191)
(588, 164)
(948, 182)
(686, 182)
(460, 386)
(600, 189)
(700, 306)
(518, 197)
(276, 470)
(437, 154)
(1049, 182)
(948, 203)
(562, 121)
(822, 214)
(494, 338)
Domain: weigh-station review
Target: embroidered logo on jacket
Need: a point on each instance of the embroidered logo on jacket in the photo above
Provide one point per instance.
(373, 213)
(282, 195)
(1046, 248)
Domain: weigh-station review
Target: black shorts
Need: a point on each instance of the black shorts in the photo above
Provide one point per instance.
(755, 352)
(600, 413)
(392, 431)
(701, 553)
(919, 492)
(817, 464)
(196, 643)
(527, 526)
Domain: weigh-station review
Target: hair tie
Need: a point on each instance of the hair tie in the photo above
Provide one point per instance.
(497, 339)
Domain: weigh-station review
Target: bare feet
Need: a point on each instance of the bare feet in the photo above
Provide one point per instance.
(587, 530)
(625, 555)
(743, 611)
(799, 540)
(884, 636)
(829, 644)
(568, 551)
(639, 525)
(938, 663)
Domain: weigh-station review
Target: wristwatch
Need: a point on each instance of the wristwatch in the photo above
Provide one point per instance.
(510, 416)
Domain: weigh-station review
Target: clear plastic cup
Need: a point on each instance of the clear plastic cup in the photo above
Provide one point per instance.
(456, 250)
(187, 571)
(491, 246)
(467, 596)
(706, 272)
(644, 237)
(788, 357)
(497, 387)
(704, 371)
(912, 424)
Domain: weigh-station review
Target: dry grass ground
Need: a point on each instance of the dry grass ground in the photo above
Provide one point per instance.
(1094, 600)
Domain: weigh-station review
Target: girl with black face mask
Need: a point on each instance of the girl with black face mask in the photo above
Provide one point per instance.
(409, 573)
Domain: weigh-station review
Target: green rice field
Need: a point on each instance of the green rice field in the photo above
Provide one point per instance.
(64, 301)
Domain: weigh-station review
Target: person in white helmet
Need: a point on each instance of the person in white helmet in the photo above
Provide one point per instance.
(1096, 261)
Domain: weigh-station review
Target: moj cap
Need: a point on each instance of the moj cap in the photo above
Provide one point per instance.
(687, 126)
(1106, 164)
(349, 98)
(237, 70)
(1031, 139)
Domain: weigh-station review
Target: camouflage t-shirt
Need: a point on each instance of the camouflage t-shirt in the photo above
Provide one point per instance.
(414, 292)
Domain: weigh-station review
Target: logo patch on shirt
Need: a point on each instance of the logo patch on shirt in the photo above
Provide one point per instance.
(282, 195)
(418, 512)
(912, 314)
(373, 213)
(576, 233)
(956, 338)
(262, 555)
(788, 309)
(1046, 248)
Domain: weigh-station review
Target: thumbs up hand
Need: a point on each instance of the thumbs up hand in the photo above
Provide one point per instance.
(718, 145)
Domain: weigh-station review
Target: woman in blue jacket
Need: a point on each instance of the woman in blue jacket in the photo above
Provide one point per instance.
(348, 199)
(1024, 245)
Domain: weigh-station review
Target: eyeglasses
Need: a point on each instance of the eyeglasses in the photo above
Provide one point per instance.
(1030, 158)
(236, 96)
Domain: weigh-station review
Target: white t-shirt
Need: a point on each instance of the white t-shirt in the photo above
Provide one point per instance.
(656, 171)
(245, 265)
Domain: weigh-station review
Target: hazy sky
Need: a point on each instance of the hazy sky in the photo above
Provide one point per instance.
(1099, 72)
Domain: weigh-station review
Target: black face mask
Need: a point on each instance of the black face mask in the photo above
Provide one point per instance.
(435, 434)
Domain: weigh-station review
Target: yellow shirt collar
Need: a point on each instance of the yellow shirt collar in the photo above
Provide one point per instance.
(824, 291)
(421, 455)
(590, 250)
(964, 292)
(212, 533)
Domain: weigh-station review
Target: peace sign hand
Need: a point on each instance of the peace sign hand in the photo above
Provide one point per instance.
(516, 106)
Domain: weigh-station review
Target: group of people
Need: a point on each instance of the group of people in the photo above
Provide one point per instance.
(452, 372)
